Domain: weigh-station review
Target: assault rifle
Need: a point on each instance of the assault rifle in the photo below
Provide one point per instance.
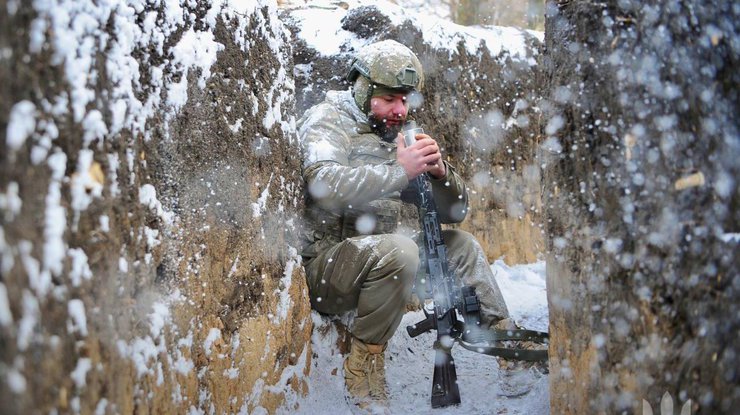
(453, 302)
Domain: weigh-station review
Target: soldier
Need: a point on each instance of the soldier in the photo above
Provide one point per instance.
(355, 167)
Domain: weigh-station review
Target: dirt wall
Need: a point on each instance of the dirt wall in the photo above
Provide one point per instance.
(642, 205)
(149, 191)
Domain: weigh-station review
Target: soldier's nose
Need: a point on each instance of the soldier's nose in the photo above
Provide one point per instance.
(399, 107)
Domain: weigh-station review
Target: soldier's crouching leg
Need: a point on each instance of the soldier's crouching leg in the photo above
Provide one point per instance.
(386, 289)
(467, 259)
(372, 274)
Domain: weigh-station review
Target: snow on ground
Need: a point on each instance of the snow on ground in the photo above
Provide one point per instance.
(484, 387)
(523, 287)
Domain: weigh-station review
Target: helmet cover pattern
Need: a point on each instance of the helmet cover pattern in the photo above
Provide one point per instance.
(388, 64)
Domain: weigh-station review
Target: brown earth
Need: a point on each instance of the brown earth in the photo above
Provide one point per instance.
(642, 283)
(226, 265)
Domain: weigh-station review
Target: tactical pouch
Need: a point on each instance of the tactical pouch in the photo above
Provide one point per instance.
(371, 221)
(374, 219)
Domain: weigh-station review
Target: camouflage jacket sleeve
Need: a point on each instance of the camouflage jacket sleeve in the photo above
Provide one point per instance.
(450, 196)
(332, 182)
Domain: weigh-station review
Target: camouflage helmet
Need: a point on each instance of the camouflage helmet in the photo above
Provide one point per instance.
(388, 65)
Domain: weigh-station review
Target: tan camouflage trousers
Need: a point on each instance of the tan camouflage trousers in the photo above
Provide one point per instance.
(374, 275)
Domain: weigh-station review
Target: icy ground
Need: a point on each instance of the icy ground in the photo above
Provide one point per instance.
(484, 387)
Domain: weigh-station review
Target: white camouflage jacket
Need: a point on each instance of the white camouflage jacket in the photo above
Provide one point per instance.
(353, 180)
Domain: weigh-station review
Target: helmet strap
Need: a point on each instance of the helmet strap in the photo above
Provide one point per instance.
(368, 98)
(362, 93)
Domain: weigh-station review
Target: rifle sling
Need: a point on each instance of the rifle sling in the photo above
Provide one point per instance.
(481, 341)
(493, 335)
(507, 353)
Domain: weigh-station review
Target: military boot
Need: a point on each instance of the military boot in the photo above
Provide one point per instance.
(364, 375)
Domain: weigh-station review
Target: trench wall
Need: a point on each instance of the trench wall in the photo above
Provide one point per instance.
(641, 198)
(149, 193)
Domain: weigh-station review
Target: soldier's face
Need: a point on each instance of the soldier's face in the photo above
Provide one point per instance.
(388, 113)
(391, 108)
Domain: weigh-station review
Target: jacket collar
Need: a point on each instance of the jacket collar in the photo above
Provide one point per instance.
(345, 102)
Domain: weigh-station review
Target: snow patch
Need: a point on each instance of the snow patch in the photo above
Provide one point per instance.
(140, 351)
(122, 265)
(6, 254)
(321, 29)
(213, 335)
(55, 221)
(10, 202)
(12, 7)
(283, 305)
(158, 318)
(148, 198)
(37, 280)
(113, 165)
(183, 365)
(21, 125)
(556, 123)
(523, 288)
(144, 351)
(101, 407)
(194, 50)
(16, 381)
(80, 268)
(29, 320)
(6, 317)
(730, 237)
(79, 374)
(78, 320)
(94, 126)
(552, 145)
(288, 373)
(104, 222)
(260, 206)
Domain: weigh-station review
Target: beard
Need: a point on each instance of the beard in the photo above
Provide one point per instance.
(387, 133)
